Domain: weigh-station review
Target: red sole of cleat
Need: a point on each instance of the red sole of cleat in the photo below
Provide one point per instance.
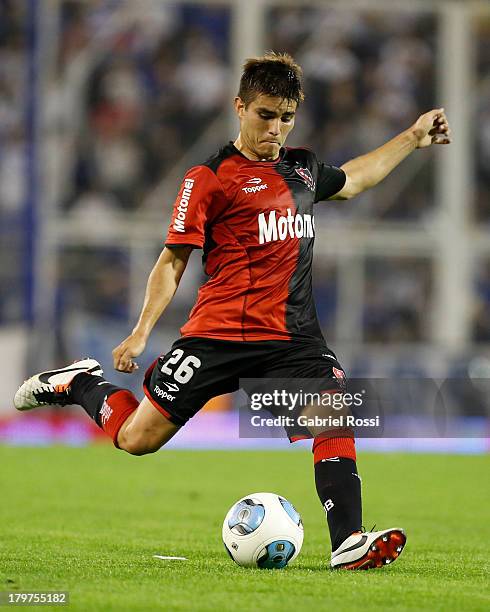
(380, 552)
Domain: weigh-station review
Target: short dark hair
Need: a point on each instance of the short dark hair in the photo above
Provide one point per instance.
(272, 74)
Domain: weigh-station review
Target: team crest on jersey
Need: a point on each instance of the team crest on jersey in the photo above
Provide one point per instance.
(307, 177)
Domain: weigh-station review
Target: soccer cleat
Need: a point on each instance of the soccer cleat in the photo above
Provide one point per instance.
(53, 387)
(369, 550)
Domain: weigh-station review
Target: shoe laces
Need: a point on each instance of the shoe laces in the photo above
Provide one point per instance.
(363, 529)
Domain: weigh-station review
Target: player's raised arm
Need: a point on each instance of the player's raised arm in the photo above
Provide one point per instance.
(161, 287)
(368, 170)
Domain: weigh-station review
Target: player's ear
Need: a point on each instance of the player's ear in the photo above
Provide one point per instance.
(239, 106)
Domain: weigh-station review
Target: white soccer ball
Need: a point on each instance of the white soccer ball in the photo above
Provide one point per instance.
(263, 530)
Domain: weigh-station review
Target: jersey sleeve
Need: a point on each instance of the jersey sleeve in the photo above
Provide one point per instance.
(193, 208)
(330, 181)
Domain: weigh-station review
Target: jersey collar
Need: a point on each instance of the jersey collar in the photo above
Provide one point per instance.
(282, 152)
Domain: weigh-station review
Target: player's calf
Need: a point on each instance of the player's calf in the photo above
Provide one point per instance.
(137, 445)
(145, 431)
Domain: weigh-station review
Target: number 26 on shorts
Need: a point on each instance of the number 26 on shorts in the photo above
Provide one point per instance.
(185, 370)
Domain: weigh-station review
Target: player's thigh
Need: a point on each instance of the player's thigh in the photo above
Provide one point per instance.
(147, 430)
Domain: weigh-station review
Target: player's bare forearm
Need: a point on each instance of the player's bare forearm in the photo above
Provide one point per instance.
(370, 169)
(160, 289)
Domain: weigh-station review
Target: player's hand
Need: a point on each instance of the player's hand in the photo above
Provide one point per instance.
(123, 354)
(432, 128)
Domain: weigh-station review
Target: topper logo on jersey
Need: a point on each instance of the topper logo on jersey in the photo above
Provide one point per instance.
(257, 186)
(179, 221)
(294, 226)
(307, 177)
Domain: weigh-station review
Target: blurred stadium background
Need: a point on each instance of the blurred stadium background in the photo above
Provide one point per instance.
(105, 103)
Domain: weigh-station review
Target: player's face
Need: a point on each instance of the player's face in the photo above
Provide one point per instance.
(264, 125)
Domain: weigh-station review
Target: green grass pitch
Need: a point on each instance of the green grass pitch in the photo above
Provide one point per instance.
(88, 520)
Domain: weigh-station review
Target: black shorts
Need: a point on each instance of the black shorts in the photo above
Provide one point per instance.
(180, 382)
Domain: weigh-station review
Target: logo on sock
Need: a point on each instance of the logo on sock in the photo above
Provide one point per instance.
(328, 505)
(105, 412)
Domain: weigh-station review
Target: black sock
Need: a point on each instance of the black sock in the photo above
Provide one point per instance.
(90, 392)
(339, 489)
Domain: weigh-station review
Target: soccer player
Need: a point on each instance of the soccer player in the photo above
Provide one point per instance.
(250, 208)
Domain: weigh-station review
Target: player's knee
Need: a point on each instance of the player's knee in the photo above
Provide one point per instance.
(139, 444)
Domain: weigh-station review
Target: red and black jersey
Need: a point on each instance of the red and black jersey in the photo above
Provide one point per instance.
(254, 221)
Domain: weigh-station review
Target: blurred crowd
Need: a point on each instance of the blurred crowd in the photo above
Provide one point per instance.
(12, 158)
(134, 85)
(397, 297)
(481, 314)
(159, 77)
(482, 131)
(368, 75)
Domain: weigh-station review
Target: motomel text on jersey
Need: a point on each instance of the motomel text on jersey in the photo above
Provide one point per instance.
(179, 225)
(294, 226)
